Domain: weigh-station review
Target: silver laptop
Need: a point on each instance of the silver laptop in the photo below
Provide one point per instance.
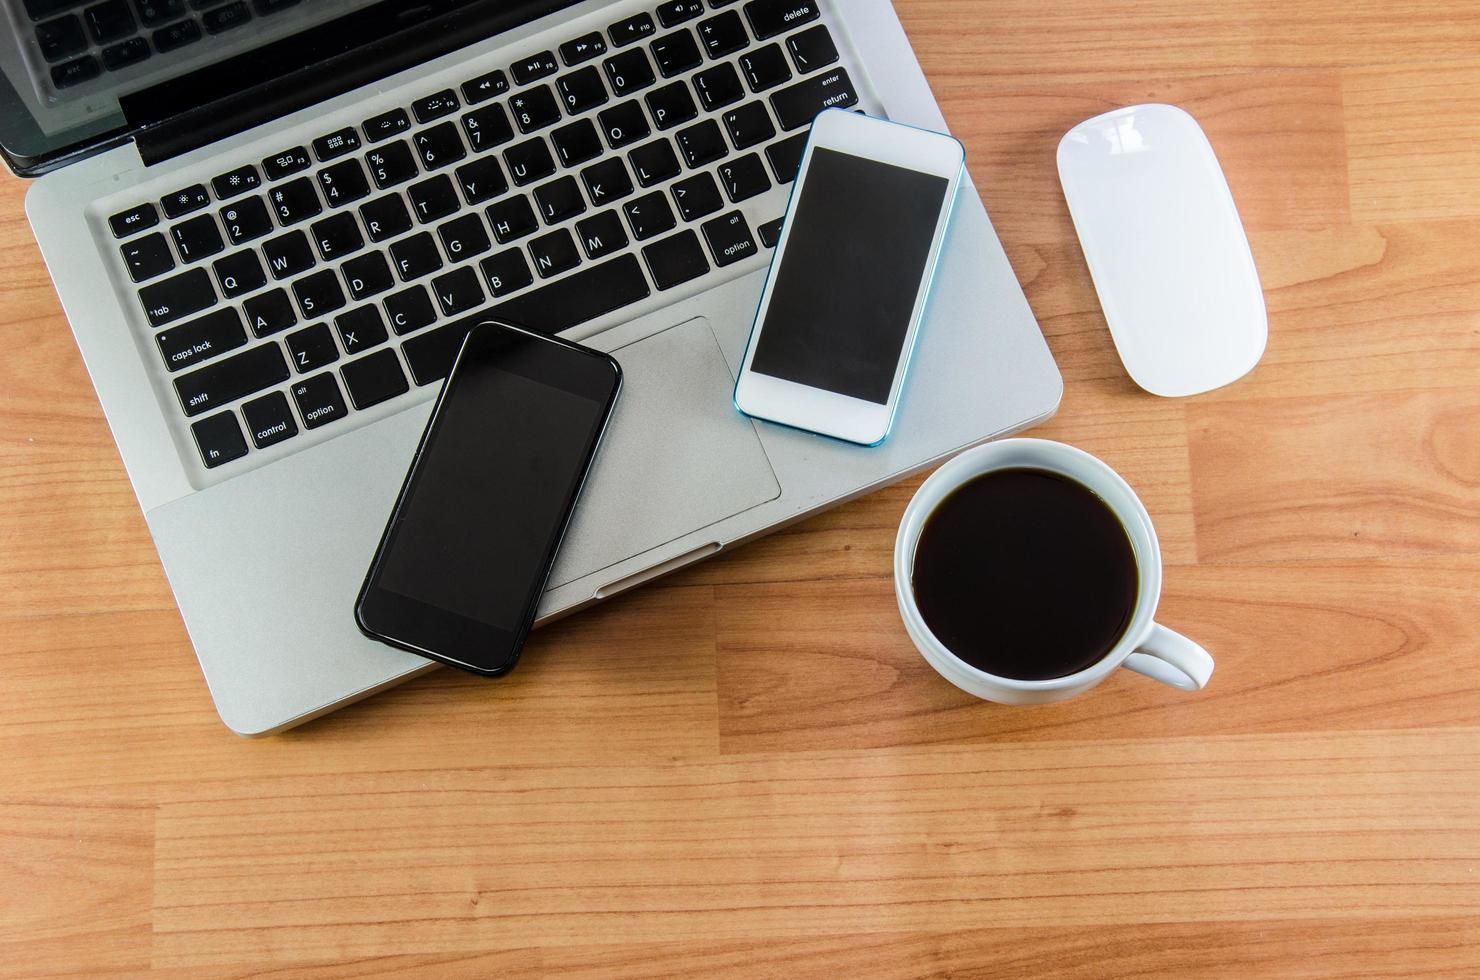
(270, 223)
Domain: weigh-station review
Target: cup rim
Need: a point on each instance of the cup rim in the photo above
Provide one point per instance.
(997, 455)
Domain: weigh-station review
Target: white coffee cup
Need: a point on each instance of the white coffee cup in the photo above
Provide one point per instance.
(1146, 647)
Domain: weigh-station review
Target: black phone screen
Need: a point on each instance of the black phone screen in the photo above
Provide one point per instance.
(846, 287)
(471, 542)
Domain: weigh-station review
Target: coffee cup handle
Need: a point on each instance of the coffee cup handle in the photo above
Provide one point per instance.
(1173, 659)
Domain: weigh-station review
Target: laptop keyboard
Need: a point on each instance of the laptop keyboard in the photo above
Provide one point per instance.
(548, 192)
(80, 39)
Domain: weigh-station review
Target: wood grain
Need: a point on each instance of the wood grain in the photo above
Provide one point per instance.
(746, 770)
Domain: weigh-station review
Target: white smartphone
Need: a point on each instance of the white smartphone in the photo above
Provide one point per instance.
(850, 276)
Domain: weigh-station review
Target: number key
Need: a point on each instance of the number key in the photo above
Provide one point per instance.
(392, 164)
(582, 90)
(246, 220)
(197, 238)
(440, 146)
(487, 127)
(295, 201)
(535, 109)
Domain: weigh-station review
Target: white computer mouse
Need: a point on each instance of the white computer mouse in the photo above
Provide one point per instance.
(1166, 248)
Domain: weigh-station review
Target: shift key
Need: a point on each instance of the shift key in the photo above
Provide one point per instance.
(236, 377)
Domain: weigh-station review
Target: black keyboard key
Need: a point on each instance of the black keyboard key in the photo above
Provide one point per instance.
(631, 30)
(361, 329)
(812, 49)
(458, 291)
(410, 310)
(269, 420)
(288, 255)
(701, 144)
(219, 439)
(177, 35)
(581, 90)
(582, 49)
(744, 178)
(464, 237)
(722, 34)
(786, 157)
(582, 296)
(729, 239)
(431, 107)
(236, 182)
(649, 216)
(718, 86)
(185, 201)
(295, 201)
(630, 72)
(176, 297)
(771, 17)
(433, 199)
(749, 125)
(672, 105)
(311, 348)
(119, 56)
(535, 67)
(109, 21)
(223, 19)
(511, 219)
(126, 223)
(623, 124)
(318, 294)
(554, 253)
(529, 161)
(61, 38)
(415, 257)
(392, 164)
(506, 272)
(287, 163)
(676, 53)
(601, 235)
(344, 183)
(607, 181)
(765, 68)
(237, 376)
(75, 72)
(246, 220)
(374, 379)
(439, 146)
(482, 180)
(677, 11)
(675, 261)
(335, 145)
(198, 238)
(576, 143)
(485, 87)
(239, 273)
(559, 199)
(366, 276)
(487, 127)
(147, 257)
(797, 105)
(200, 340)
(654, 162)
(535, 109)
(155, 12)
(337, 236)
(770, 232)
(697, 196)
(319, 401)
(385, 217)
(385, 125)
(270, 313)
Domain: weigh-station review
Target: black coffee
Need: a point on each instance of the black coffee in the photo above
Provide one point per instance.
(1026, 574)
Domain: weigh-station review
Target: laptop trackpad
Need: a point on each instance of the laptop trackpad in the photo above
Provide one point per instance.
(677, 457)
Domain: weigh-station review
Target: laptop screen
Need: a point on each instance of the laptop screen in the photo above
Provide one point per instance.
(79, 76)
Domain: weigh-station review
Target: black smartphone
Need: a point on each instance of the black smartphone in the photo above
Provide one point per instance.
(469, 547)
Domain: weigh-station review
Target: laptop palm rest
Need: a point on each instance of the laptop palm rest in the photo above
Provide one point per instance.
(677, 458)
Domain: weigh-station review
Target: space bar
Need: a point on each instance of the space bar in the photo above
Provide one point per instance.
(549, 309)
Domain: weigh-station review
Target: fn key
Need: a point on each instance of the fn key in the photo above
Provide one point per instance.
(219, 439)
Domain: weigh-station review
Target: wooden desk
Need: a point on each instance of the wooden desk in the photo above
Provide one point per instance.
(748, 769)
